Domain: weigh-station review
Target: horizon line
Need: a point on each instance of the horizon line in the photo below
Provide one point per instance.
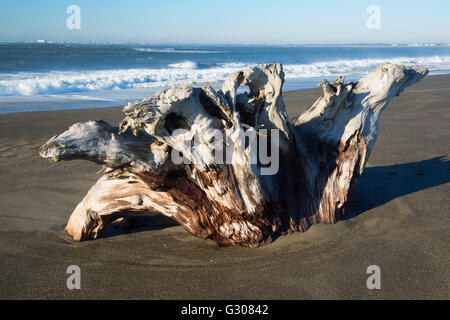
(47, 41)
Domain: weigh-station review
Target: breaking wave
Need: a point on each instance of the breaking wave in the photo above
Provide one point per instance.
(187, 73)
(173, 50)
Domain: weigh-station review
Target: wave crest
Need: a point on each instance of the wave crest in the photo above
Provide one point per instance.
(173, 50)
(186, 73)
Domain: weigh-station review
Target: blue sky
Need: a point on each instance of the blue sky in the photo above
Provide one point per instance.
(229, 21)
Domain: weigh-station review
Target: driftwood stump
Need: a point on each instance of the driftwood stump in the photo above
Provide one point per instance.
(229, 166)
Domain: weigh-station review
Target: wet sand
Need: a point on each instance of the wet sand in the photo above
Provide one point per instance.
(398, 220)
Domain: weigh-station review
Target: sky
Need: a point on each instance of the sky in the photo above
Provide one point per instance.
(228, 21)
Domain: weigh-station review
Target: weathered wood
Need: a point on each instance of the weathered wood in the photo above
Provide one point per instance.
(182, 153)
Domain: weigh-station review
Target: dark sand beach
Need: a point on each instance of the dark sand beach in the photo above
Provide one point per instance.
(398, 219)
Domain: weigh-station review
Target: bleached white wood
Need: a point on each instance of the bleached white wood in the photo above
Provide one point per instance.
(321, 154)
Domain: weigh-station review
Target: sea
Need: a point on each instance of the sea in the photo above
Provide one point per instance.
(56, 76)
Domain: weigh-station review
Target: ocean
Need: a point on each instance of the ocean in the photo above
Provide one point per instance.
(48, 76)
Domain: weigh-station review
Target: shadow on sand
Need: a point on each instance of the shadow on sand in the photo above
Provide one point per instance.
(139, 224)
(379, 185)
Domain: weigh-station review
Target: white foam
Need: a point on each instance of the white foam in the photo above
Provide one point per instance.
(184, 65)
(173, 50)
(360, 66)
(187, 73)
